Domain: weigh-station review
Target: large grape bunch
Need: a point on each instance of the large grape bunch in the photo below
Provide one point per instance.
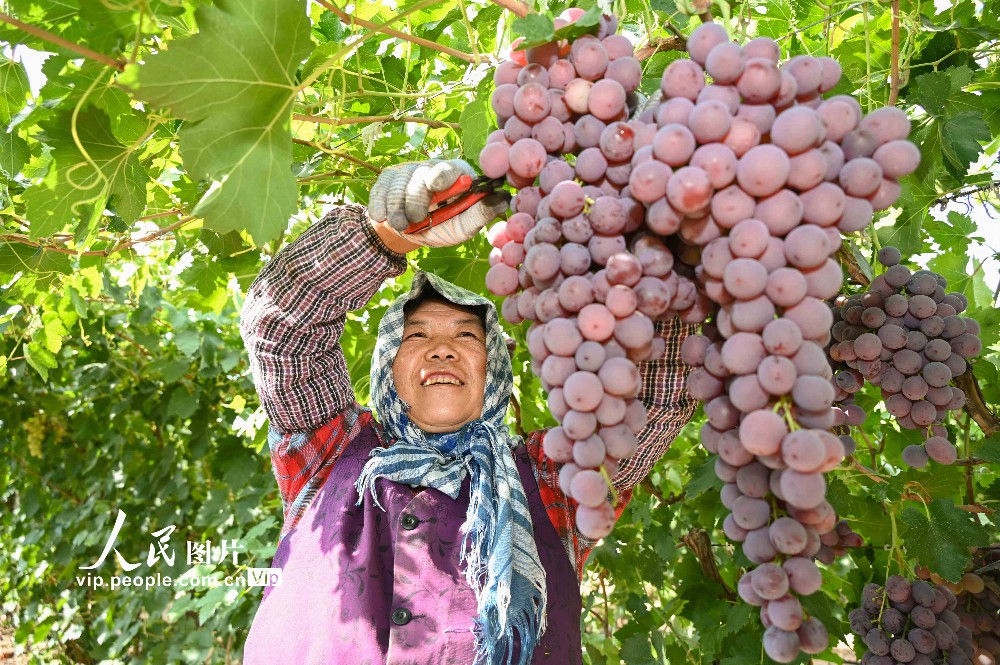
(760, 220)
(905, 335)
(577, 258)
(742, 186)
(911, 621)
(978, 607)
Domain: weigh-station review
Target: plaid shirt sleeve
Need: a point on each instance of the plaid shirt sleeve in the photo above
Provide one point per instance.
(295, 312)
(303, 460)
(291, 324)
(669, 407)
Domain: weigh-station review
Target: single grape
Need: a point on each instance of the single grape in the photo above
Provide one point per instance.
(763, 170)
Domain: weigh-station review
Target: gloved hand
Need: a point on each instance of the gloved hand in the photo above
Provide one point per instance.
(402, 195)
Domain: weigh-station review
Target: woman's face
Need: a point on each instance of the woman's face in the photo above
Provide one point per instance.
(440, 367)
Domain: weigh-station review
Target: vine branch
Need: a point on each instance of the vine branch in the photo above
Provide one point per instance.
(392, 32)
(968, 191)
(658, 44)
(698, 542)
(517, 8)
(374, 118)
(47, 36)
(976, 405)
(341, 155)
(24, 240)
(894, 57)
(516, 406)
(648, 485)
(850, 262)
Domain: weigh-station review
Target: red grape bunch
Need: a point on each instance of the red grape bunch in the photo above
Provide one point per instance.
(576, 258)
(765, 176)
(911, 622)
(906, 335)
(978, 607)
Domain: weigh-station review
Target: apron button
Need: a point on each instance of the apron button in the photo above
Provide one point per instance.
(401, 616)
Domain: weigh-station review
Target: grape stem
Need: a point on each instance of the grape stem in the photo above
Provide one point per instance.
(59, 41)
(976, 405)
(348, 19)
(868, 472)
(611, 486)
(894, 57)
(517, 8)
(516, 406)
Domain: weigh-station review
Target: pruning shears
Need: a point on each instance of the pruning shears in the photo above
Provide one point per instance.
(465, 193)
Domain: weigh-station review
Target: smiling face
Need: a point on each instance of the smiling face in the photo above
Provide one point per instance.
(440, 367)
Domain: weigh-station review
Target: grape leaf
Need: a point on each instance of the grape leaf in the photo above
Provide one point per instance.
(932, 91)
(476, 122)
(79, 185)
(960, 141)
(953, 233)
(637, 649)
(942, 542)
(234, 83)
(14, 153)
(703, 478)
(989, 450)
(535, 28)
(587, 24)
(14, 89)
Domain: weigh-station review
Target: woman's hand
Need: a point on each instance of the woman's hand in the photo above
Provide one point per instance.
(402, 195)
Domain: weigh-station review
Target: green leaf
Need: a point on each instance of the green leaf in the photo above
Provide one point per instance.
(477, 120)
(587, 24)
(40, 358)
(932, 92)
(702, 480)
(14, 90)
(234, 82)
(953, 233)
(960, 141)
(942, 542)
(79, 185)
(989, 450)
(667, 7)
(14, 153)
(637, 650)
(205, 275)
(535, 28)
(188, 341)
(183, 403)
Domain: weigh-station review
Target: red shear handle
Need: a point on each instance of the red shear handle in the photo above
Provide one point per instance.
(448, 211)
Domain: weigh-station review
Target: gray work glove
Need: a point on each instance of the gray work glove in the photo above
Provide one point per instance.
(402, 195)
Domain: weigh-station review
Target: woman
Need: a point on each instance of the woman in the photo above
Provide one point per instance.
(431, 535)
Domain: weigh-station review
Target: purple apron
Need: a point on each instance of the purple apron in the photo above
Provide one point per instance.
(366, 587)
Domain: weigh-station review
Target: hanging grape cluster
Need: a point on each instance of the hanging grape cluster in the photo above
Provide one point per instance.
(905, 335)
(978, 607)
(575, 258)
(723, 204)
(911, 621)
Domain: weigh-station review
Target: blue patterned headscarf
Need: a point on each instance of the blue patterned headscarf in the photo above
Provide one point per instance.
(502, 564)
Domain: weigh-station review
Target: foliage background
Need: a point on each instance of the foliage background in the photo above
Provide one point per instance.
(156, 168)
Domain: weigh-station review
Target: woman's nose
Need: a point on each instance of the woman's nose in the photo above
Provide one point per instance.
(441, 347)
